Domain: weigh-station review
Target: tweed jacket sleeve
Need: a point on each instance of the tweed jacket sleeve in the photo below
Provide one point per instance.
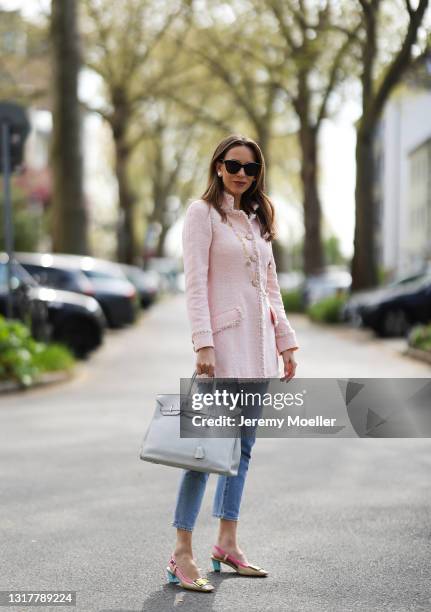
(285, 336)
(196, 239)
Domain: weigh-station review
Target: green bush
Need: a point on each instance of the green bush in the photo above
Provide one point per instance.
(327, 310)
(292, 301)
(23, 359)
(29, 226)
(54, 357)
(420, 337)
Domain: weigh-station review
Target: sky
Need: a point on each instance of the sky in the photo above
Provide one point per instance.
(337, 160)
(29, 8)
(338, 166)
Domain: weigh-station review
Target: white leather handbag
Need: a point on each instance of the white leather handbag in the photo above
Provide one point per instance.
(162, 442)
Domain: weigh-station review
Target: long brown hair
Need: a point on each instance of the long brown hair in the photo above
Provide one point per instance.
(255, 193)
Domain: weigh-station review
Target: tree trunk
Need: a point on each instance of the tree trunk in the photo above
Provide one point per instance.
(126, 246)
(313, 249)
(364, 266)
(263, 142)
(69, 216)
(119, 120)
(158, 216)
(364, 262)
(161, 245)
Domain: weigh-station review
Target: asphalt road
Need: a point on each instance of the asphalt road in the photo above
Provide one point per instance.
(341, 525)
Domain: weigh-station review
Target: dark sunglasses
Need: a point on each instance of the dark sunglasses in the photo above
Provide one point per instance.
(233, 166)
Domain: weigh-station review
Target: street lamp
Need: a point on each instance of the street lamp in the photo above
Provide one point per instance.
(14, 131)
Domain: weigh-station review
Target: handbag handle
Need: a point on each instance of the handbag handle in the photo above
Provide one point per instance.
(193, 380)
(187, 398)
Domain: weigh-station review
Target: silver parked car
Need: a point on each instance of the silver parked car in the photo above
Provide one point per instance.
(331, 281)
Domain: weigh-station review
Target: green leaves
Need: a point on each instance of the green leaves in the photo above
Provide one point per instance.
(23, 359)
(327, 310)
(420, 337)
(292, 301)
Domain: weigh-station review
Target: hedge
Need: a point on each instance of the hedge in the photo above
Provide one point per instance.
(23, 359)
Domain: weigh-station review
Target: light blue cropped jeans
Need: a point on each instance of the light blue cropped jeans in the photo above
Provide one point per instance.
(229, 490)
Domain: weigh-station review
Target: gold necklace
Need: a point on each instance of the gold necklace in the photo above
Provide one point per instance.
(249, 259)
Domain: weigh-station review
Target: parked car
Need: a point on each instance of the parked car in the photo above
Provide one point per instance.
(353, 308)
(330, 281)
(290, 281)
(394, 311)
(181, 282)
(168, 268)
(104, 280)
(146, 283)
(116, 294)
(47, 272)
(72, 319)
(26, 304)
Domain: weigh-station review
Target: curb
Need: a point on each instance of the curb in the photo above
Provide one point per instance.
(46, 379)
(418, 354)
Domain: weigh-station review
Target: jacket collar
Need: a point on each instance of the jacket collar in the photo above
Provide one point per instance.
(228, 205)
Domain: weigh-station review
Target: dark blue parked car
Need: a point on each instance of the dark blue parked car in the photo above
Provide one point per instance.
(395, 311)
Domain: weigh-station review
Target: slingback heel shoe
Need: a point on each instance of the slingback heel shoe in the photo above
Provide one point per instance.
(176, 576)
(245, 569)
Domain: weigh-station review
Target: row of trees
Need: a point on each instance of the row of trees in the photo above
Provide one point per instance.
(179, 75)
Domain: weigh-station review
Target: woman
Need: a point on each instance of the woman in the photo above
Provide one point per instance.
(239, 329)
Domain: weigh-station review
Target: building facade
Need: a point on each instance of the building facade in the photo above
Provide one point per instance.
(403, 175)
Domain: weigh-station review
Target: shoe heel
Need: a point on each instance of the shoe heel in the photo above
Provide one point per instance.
(171, 577)
(216, 565)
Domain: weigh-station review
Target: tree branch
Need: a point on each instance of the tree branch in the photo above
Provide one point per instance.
(333, 73)
(200, 113)
(274, 6)
(401, 60)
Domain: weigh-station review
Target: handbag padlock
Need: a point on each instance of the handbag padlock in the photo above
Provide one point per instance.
(199, 452)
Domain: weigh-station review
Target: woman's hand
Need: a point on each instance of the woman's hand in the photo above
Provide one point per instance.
(205, 361)
(289, 364)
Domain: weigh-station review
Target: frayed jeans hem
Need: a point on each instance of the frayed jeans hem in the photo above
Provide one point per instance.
(182, 527)
(226, 518)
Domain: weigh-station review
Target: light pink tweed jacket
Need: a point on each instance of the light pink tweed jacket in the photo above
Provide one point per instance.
(244, 322)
